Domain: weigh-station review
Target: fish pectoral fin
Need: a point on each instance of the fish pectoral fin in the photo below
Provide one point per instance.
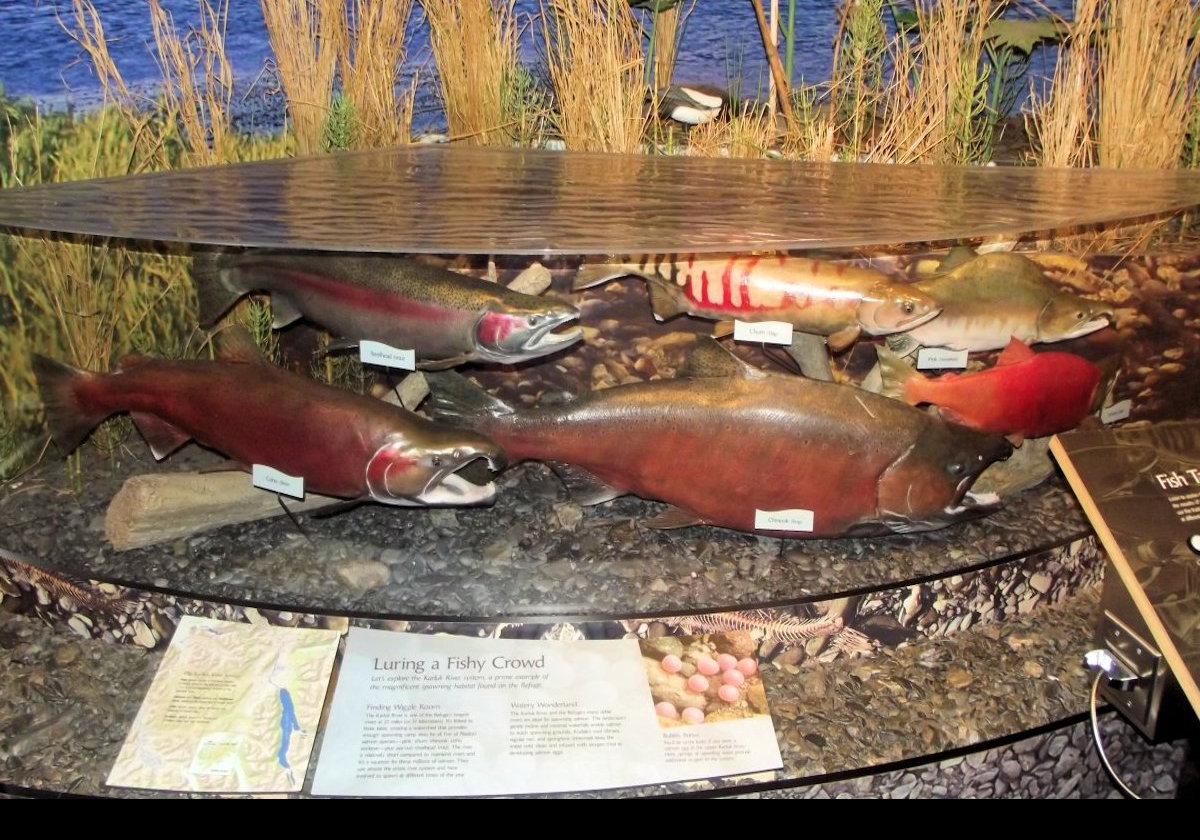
(843, 338)
(722, 329)
(227, 465)
(674, 517)
(162, 437)
(283, 312)
(585, 488)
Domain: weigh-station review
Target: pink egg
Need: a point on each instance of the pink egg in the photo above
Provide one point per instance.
(747, 666)
(729, 693)
(727, 661)
(672, 663)
(698, 683)
(693, 715)
(733, 677)
(667, 710)
(707, 665)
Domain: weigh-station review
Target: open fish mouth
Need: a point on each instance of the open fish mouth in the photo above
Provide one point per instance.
(544, 339)
(971, 503)
(1087, 328)
(448, 487)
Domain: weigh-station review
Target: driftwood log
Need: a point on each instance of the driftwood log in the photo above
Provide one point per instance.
(160, 507)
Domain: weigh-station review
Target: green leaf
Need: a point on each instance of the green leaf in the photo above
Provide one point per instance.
(1024, 35)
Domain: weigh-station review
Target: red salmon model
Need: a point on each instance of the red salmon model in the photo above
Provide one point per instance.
(1026, 394)
(341, 443)
(729, 445)
(836, 300)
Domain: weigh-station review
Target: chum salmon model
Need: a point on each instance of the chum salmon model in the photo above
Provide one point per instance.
(446, 318)
(837, 300)
(988, 300)
(729, 445)
(341, 443)
(1026, 394)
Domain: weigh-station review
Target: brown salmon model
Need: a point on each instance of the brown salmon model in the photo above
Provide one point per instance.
(837, 300)
(446, 318)
(727, 444)
(341, 443)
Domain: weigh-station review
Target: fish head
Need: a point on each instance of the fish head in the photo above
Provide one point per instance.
(929, 486)
(889, 307)
(510, 333)
(426, 470)
(1066, 316)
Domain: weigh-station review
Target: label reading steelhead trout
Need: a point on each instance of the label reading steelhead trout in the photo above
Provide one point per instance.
(269, 478)
(796, 519)
(939, 358)
(763, 332)
(378, 353)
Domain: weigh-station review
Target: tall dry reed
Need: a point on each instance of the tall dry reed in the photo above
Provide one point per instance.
(372, 53)
(307, 40)
(476, 51)
(597, 72)
(1062, 123)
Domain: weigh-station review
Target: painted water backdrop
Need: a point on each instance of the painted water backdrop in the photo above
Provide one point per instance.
(720, 45)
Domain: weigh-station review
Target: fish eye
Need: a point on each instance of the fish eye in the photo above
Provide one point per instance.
(436, 460)
(909, 307)
(534, 320)
(955, 469)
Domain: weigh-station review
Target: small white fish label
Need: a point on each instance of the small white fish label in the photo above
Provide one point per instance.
(940, 358)
(763, 332)
(269, 478)
(1116, 411)
(796, 519)
(378, 353)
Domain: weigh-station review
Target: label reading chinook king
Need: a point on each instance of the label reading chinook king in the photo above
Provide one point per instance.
(378, 353)
(269, 478)
(763, 332)
(796, 519)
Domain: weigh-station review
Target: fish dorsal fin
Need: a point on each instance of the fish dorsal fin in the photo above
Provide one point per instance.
(162, 437)
(710, 360)
(1016, 352)
(235, 344)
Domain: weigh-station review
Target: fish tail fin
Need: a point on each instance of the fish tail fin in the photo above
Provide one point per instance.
(68, 420)
(214, 291)
(896, 375)
(457, 401)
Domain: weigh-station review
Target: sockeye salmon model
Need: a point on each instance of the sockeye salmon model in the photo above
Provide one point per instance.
(1026, 395)
(341, 443)
(446, 318)
(836, 300)
(988, 300)
(726, 444)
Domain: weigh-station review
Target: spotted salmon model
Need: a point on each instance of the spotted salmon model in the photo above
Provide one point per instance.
(341, 443)
(729, 445)
(446, 318)
(988, 300)
(1026, 394)
(836, 300)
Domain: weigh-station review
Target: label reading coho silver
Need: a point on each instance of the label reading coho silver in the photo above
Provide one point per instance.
(378, 353)
(940, 358)
(796, 519)
(269, 478)
(763, 332)
(1116, 411)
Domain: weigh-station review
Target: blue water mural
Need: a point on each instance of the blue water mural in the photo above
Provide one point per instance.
(720, 45)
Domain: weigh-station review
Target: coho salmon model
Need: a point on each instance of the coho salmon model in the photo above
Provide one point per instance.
(1026, 394)
(446, 318)
(988, 300)
(836, 300)
(341, 443)
(729, 445)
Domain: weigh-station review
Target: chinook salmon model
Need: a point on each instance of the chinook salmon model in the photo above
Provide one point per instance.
(729, 445)
(341, 443)
(836, 300)
(444, 317)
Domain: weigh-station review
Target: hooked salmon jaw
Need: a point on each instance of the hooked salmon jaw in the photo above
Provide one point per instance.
(402, 474)
(508, 338)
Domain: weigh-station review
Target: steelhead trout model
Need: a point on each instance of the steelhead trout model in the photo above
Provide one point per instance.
(341, 443)
(446, 318)
(836, 300)
(989, 300)
(729, 445)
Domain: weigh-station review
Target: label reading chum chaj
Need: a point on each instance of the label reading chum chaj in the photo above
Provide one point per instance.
(796, 519)
(269, 478)
(763, 332)
(1116, 411)
(939, 358)
(378, 353)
